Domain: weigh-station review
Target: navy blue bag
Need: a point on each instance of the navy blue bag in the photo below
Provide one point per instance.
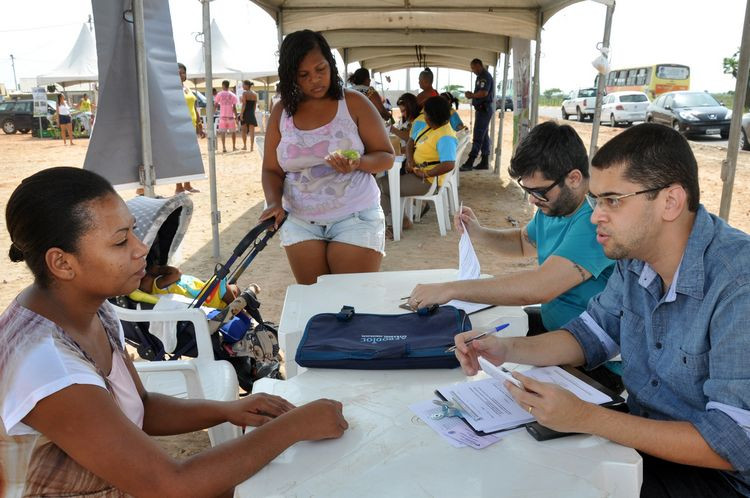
(381, 342)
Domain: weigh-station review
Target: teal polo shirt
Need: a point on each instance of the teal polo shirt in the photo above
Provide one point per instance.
(571, 237)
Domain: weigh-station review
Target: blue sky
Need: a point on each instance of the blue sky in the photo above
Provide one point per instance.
(691, 32)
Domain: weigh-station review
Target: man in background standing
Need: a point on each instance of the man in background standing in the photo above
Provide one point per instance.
(481, 98)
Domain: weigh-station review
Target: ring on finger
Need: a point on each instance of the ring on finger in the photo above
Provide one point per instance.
(530, 408)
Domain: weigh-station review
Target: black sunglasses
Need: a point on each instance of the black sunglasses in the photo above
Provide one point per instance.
(541, 193)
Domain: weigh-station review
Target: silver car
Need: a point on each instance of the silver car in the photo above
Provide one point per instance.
(624, 107)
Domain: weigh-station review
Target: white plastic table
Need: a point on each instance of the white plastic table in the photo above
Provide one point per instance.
(394, 187)
(370, 293)
(388, 451)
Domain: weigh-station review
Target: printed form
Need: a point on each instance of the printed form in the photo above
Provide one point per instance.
(468, 269)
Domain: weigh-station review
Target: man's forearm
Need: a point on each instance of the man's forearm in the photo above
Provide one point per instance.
(506, 242)
(669, 440)
(553, 348)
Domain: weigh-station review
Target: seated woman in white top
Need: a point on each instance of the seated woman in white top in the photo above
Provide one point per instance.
(75, 418)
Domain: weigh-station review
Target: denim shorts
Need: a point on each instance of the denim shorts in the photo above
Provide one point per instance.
(364, 228)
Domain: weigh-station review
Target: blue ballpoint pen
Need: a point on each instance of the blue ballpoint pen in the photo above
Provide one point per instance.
(483, 334)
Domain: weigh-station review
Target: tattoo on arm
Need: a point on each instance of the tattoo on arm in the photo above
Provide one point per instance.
(580, 271)
(526, 238)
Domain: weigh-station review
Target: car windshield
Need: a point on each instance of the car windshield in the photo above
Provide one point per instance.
(694, 100)
(588, 92)
(633, 98)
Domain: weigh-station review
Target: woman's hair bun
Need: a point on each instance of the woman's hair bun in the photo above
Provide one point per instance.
(15, 254)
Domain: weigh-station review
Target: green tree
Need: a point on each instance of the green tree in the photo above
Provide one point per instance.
(456, 90)
(731, 66)
(552, 92)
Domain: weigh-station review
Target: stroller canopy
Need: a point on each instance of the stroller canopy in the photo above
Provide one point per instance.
(161, 223)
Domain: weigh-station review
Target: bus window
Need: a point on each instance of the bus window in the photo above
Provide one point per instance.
(611, 78)
(631, 77)
(622, 76)
(640, 78)
(672, 72)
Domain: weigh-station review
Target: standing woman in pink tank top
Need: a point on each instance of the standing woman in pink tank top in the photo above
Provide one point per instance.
(332, 204)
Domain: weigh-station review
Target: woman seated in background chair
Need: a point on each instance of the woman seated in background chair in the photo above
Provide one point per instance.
(455, 120)
(360, 81)
(74, 417)
(429, 157)
(410, 110)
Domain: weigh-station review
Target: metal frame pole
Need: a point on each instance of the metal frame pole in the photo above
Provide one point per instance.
(534, 118)
(346, 65)
(211, 131)
(499, 148)
(494, 107)
(729, 165)
(147, 173)
(600, 85)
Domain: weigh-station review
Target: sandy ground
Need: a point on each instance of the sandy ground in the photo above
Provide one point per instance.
(495, 198)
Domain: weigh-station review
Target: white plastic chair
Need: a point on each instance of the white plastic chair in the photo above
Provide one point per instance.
(260, 143)
(451, 182)
(202, 377)
(436, 195)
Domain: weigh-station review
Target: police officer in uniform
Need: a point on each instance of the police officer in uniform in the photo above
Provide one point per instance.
(482, 99)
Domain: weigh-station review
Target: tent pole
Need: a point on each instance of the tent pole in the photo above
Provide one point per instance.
(408, 80)
(346, 65)
(147, 173)
(535, 83)
(494, 107)
(211, 130)
(600, 86)
(729, 165)
(499, 148)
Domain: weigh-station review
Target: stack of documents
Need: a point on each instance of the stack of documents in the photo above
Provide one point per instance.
(488, 407)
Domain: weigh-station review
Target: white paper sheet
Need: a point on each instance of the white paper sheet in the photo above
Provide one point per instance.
(453, 429)
(468, 263)
(490, 407)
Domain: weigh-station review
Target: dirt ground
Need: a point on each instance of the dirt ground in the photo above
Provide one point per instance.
(495, 199)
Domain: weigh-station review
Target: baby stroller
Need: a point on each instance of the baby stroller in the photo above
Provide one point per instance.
(239, 334)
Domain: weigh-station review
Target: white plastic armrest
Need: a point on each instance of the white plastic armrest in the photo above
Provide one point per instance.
(187, 368)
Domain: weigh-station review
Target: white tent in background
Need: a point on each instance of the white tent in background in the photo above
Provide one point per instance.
(223, 64)
(80, 66)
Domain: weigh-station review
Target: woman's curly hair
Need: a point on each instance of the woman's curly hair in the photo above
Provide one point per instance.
(293, 49)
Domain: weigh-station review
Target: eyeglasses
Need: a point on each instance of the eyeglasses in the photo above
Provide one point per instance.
(541, 193)
(613, 201)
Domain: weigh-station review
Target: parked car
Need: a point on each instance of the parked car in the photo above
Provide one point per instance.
(690, 113)
(508, 103)
(745, 132)
(624, 107)
(18, 115)
(581, 103)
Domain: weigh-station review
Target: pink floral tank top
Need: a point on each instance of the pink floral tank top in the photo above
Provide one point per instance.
(313, 190)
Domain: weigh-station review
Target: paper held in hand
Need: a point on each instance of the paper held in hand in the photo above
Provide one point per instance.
(468, 269)
(489, 407)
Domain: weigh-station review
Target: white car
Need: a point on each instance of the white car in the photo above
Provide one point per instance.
(624, 107)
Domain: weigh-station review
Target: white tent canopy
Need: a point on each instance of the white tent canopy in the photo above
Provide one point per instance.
(421, 30)
(80, 66)
(223, 64)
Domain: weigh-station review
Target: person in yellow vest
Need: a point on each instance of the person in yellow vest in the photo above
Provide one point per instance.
(191, 102)
(430, 156)
(87, 115)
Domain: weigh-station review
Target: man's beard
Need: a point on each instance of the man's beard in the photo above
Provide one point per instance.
(566, 203)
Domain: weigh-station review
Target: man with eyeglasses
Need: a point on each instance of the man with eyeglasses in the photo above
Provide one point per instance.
(551, 166)
(677, 308)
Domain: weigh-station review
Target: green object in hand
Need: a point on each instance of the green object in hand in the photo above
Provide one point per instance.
(350, 154)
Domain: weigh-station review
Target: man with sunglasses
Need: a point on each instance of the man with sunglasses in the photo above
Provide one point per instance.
(551, 166)
(677, 307)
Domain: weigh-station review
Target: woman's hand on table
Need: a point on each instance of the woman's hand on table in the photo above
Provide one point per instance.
(273, 211)
(319, 419)
(256, 409)
(342, 164)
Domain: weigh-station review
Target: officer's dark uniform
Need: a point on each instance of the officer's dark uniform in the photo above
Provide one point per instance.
(483, 107)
